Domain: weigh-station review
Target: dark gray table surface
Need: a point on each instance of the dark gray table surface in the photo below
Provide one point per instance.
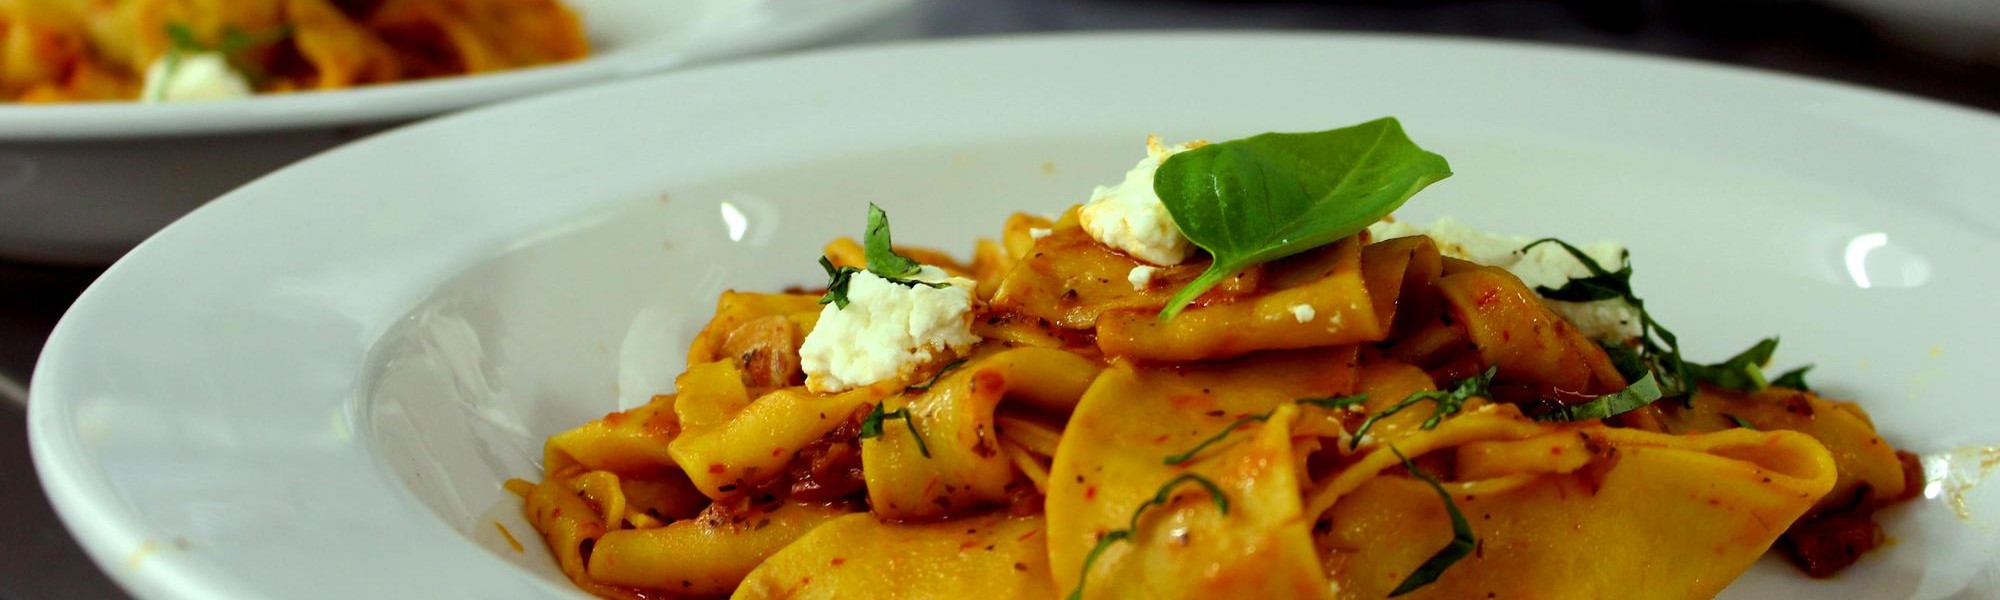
(38, 559)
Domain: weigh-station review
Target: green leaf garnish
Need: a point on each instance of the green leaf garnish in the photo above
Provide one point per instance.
(1446, 403)
(871, 426)
(836, 283)
(1677, 376)
(881, 254)
(1639, 394)
(935, 377)
(1794, 379)
(1740, 422)
(181, 40)
(1462, 541)
(1743, 372)
(1662, 357)
(1330, 402)
(1160, 498)
(1189, 455)
(882, 259)
(1270, 196)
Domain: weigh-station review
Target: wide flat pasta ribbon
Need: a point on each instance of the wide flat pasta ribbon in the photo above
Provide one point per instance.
(992, 557)
(961, 464)
(1112, 460)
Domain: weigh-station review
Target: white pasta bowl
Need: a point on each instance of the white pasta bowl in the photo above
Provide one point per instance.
(316, 385)
(84, 182)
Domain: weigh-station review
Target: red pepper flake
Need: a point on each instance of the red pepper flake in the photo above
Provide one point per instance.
(717, 469)
(837, 561)
(1090, 493)
(1029, 534)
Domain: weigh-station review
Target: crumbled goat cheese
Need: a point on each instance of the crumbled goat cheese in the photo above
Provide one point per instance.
(887, 330)
(1130, 217)
(1303, 312)
(176, 77)
(1141, 277)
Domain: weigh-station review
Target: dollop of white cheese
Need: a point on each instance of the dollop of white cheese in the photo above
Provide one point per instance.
(1130, 217)
(1303, 312)
(1547, 265)
(1039, 233)
(1141, 277)
(887, 330)
(193, 76)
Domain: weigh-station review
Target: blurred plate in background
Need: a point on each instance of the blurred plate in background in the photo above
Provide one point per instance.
(83, 183)
(1967, 30)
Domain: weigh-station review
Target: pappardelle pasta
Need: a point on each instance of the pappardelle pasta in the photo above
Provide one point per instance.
(1230, 375)
(165, 50)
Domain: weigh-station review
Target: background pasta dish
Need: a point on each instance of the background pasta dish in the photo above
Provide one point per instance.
(78, 50)
(1227, 375)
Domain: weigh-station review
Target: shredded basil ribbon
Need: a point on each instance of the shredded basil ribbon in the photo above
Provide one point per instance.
(871, 425)
(1462, 542)
(1160, 498)
(1331, 402)
(882, 259)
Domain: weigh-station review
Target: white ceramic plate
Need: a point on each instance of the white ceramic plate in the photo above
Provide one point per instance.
(83, 183)
(314, 386)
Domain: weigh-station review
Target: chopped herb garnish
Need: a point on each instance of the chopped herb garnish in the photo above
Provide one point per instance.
(1627, 360)
(1794, 379)
(1639, 394)
(1662, 356)
(935, 377)
(1335, 402)
(1160, 498)
(1740, 422)
(1331, 402)
(871, 426)
(1263, 198)
(181, 40)
(882, 260)
(1189, 455)
(1743, 372)
(1447, 403)
(1462, 542)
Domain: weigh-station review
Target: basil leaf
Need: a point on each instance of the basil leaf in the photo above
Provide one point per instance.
(1189, 455)
(871, 426)
(1447, 403)
(1600, 285)
(1794, 379)
(1332, 402)
(935, 377)
(1662, 357)
(1633, 397)
(882, 257)
(180, 38)
(1462, 541)
(1743, 372)
(836, 283)
(1160, 498)
(1270, 196)
(1740, 422)
(1627, 360)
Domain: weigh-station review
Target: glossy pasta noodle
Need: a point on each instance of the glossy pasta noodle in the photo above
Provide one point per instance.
(1366, 418)
(85, 50)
